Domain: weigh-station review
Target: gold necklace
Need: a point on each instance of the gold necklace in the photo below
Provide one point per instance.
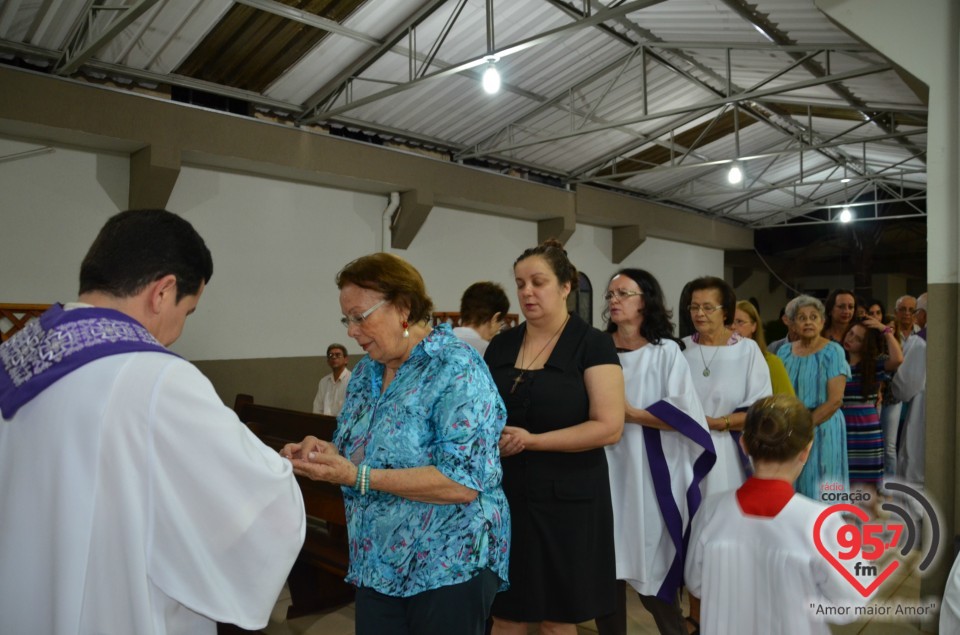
(519, 378)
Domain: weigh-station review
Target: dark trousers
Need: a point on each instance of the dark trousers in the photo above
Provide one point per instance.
(460, 608)
(669, 617)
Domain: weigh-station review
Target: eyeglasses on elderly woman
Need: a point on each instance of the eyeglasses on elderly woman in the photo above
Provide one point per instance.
(706, 308)
(347, 320)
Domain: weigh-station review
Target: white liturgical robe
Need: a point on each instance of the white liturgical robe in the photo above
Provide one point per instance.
(764, 576)
(910, 386)
(645, 549)
(950, 607)
(738, 375)
(133, 502)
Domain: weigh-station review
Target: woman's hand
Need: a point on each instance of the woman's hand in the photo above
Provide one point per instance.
(326, 466)
(873, 323)
(310, 445)
(513, 440)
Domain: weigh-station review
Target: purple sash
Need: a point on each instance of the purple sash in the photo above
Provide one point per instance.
(673, 520)
(58, 343)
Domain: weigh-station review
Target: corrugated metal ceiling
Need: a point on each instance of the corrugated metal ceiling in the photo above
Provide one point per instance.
(653, 98)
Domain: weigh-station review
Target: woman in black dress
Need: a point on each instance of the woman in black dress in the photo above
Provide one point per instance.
(561, 381)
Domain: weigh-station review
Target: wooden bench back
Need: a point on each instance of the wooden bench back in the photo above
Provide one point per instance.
(277, 427)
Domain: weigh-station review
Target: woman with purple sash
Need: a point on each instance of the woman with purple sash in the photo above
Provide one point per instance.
(659, 462)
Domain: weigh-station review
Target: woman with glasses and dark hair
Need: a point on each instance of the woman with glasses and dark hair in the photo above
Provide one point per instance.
(416, 454)
(729, 373)
(664, 453)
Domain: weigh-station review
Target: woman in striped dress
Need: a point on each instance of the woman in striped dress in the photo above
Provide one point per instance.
(868, 367)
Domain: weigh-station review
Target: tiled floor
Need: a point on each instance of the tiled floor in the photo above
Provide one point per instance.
(340, 621)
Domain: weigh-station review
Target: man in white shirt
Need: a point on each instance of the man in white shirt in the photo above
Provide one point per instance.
(333, 388)
(910, 386)
(133, 500)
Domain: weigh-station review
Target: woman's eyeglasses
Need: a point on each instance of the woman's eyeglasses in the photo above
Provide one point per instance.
(620, 294)
(706, 308)
(347, 320)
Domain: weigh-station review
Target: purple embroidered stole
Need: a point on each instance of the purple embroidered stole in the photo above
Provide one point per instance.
(669, 510)
(58, 343)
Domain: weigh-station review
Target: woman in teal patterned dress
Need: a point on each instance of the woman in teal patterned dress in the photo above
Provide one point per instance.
(819, 371)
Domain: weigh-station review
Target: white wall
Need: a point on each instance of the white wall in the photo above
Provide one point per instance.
(276, 247)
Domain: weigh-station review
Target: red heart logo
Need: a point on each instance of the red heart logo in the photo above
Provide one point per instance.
(862, 515)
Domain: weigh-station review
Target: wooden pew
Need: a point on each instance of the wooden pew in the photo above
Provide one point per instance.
(316, 581)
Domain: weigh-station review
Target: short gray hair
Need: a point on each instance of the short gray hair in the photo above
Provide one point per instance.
(901, 299)
(922, 302)
(803, 301)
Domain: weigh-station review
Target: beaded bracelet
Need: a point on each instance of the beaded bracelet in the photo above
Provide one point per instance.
(356, 483)
(364, 478)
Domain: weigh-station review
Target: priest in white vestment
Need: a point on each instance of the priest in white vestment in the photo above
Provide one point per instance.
(133, 501)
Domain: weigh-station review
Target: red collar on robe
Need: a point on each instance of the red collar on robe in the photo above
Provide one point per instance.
(764, 497)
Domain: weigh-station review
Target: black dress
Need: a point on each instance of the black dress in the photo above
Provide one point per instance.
(562, 566)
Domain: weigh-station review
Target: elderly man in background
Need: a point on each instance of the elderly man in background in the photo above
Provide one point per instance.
(133, 500)
(910, 387)
(333, 387)
(906, 309)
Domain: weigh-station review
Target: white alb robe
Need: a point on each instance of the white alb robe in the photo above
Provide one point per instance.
(738, 377)
(760, 576)
(910, 386)
(644, 549)
(134, 502)
(950, 606)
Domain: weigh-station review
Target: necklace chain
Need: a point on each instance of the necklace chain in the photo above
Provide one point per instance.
(519, 379)
(706, 366)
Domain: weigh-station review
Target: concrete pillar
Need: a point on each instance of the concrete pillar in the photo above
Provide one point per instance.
(924, 39)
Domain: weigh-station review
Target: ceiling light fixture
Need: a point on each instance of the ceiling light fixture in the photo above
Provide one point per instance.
(846, 215)
(735, 175)
(491, 77)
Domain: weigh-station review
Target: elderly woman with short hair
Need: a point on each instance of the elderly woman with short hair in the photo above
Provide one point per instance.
(729, 373)
(819, 371)
(416, 451)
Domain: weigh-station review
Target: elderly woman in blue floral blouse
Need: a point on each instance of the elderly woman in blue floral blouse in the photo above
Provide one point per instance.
(416, 453)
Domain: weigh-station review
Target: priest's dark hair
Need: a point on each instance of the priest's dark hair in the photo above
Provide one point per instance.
(137, 247)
